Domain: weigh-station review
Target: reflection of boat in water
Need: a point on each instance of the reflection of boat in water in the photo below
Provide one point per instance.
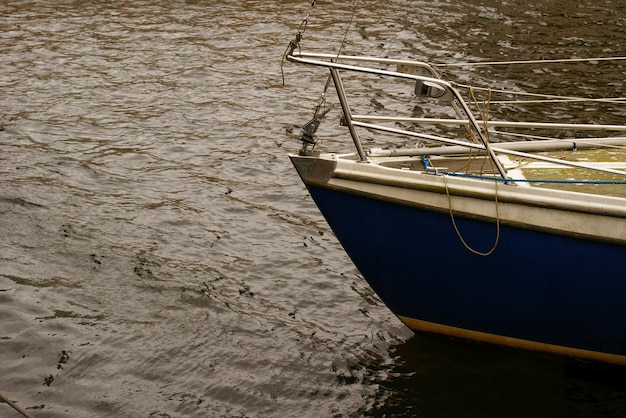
(460, 222)
(491, 381)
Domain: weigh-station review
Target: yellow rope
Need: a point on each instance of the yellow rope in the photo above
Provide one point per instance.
(456, 228)
(15, 406)
(484, 114)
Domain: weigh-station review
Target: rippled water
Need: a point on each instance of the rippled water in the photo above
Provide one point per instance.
(160, 257)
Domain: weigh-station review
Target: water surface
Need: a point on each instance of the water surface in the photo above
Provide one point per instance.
(158, 254)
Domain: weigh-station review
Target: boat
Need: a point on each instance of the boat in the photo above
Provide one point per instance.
(466, 225)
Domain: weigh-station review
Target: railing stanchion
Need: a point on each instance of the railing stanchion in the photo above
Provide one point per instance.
(347, 114)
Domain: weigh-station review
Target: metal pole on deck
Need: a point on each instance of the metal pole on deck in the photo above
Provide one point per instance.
(343, 100)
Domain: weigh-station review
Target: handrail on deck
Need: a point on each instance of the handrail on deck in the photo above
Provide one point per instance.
(311, 59)
(390, 61)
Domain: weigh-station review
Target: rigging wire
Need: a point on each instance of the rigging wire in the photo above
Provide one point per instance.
(341, 45)
(295, 43)
(355, 4)
(308, 130)
(321, 106)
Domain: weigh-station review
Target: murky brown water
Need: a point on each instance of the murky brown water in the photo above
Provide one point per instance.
(160, 257)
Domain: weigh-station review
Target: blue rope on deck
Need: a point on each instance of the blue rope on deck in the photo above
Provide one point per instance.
(587, 182)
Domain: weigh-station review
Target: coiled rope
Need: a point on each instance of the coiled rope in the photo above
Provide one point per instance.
(15, 406)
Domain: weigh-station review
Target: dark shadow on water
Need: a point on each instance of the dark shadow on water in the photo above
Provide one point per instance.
(440, 377)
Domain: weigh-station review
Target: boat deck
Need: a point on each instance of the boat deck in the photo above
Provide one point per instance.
(480, 164)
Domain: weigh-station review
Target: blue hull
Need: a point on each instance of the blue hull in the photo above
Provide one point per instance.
(536, 286)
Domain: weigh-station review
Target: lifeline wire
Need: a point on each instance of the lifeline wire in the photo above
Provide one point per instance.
(544, 98)
(548, 98)
(564, 60)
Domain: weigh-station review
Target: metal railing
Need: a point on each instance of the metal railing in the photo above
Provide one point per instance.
(429, 84)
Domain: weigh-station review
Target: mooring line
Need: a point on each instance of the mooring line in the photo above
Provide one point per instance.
(458, 232)
(15, 406)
